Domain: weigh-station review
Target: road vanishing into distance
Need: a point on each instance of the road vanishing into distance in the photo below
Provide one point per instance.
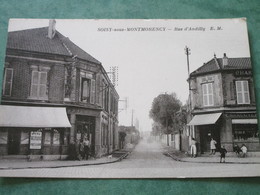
(146, 161)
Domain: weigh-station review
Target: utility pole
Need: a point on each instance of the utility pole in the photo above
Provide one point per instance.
(187, 53)
(132, 121)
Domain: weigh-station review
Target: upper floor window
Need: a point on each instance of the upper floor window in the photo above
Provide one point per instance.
(242, 91)
(207, 93)
(8, 81)
(88, 88)
(39, 84)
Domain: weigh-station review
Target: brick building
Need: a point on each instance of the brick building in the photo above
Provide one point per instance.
(55, 94)
(224, 104)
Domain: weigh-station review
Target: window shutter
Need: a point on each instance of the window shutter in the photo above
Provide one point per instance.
(210, 94)
(8, 81)
(239, 92)
(42, 84)
(85, 90)
(204, 94)
(246, 92)
(34, 84)
(93, 91)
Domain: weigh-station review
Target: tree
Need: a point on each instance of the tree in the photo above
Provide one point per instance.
(164, 111)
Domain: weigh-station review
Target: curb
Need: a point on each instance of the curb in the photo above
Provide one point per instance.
(181, 160)
(63, 166)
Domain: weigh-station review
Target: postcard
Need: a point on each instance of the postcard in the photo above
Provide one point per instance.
(128, 99)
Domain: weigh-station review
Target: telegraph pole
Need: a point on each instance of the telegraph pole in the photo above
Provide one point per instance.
(187, 53)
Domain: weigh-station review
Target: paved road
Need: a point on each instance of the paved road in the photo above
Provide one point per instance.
(146, 161)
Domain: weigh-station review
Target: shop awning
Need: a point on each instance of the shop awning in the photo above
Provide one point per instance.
(244, 121)
(205, 119)
(40, 117)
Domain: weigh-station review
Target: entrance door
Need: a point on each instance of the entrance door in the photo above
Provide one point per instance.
(206, 133)
(14, 137)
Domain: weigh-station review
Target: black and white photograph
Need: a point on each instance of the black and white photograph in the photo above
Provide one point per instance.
(128, 98)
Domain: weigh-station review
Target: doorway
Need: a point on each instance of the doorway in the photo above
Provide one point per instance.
(14, 137)
(206, 133)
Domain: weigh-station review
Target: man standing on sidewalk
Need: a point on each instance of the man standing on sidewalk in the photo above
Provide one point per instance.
(213, 146)
(193, 148)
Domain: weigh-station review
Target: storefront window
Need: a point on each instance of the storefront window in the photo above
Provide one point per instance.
(3, 137)
(47, 138)
(25, 137)
(245, 132)
(56, 137)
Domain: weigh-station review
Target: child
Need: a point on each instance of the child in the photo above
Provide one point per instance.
(223, 152)
(244, 150)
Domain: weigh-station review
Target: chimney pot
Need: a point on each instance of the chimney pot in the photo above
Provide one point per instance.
(51, 29)
(225, 60)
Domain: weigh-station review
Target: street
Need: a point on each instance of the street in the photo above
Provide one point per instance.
(146, 161)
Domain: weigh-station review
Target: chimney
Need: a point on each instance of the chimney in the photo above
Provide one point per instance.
(51, 29)
(225, 60)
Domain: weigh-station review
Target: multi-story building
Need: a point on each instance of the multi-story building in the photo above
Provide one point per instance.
(54, 94)
(224, 104)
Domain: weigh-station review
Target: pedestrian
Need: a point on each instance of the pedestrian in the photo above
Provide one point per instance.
(223, 152)
(81, 150)
(86, 148)
(244, 150)
(237, 150)
(193, 148)
(213, 146)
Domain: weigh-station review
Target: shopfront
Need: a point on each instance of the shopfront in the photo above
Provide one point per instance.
(207, 126)
(35, 132)
(245, 130)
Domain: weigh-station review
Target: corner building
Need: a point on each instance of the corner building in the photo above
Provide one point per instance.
(224, 104)
(54, 94)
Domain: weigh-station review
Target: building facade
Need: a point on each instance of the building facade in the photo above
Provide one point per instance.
(45, 70)
(223, 104)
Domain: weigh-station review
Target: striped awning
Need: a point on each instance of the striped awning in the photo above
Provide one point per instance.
(205, 119)
(40, 117)
(244, 121)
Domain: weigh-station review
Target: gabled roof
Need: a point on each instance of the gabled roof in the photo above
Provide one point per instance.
(36, 40)
(216, 64)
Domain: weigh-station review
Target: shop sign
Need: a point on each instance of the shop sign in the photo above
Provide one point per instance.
(242, 115)
(36, 140)
(243, 73)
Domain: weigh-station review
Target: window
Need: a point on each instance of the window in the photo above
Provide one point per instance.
(242, 90)
(88, 90)
(8, 80)
(245, 132)
(207, 92)
(39, 84)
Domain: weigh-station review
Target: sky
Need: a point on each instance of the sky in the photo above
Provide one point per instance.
(150, 53)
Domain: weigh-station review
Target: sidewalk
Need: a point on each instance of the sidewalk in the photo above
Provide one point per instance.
(207, 158)
(23, 164)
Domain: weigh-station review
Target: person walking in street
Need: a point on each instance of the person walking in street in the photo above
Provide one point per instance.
(213, 146)
(193, 148)
(223, 152)
(244, 150)
(86, 148)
